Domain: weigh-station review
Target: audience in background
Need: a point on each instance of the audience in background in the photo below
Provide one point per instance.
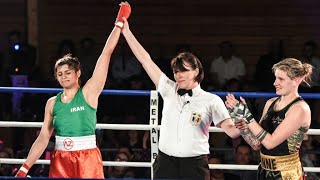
(6, 152)
(309, 55)
(124, 66)
(120, 171)
(20, 57)
(87, 53)
(264, 77)
(243, 156)
(227, 65)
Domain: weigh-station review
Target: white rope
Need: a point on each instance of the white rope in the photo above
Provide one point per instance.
(148, 164)
(233, 166)
(130, 164)
(105, 163)
(21, 161)
(125, 126)
(118, 126)
(20, 124)
(253, 167)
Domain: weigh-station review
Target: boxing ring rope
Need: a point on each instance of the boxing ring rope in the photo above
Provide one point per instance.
(147, 92)
(141, 127)
(153, 127)
(148, 164)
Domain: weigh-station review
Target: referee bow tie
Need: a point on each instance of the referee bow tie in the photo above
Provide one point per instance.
(182, 92)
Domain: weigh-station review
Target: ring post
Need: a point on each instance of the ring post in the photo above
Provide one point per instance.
(153, 130)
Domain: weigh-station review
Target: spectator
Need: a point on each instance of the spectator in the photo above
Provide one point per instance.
(231, 143)
(243, 156)
(264, 77)
(21, 57)
(309, 55)
(4, 147)
(87, 54)
(227, 65)
(124, 67)
(120, 171)
(5, 169)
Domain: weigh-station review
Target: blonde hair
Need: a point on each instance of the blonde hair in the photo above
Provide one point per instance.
(295, 69)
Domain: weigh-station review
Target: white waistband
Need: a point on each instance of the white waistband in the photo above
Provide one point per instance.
(75, 143)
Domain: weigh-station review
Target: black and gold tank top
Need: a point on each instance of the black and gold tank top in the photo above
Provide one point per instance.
(272, 120)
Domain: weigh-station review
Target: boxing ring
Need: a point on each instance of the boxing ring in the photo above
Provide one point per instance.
(153, 126)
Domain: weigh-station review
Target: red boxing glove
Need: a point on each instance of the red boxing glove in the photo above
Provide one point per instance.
(23, 171)
(124, 11)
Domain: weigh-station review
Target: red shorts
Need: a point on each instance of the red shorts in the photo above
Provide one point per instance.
(76, 164)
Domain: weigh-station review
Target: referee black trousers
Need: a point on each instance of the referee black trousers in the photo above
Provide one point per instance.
(189, 168)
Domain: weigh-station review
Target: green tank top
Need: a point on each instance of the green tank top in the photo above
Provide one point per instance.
(76, 118)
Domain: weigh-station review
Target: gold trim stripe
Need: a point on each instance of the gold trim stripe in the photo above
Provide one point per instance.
(280, 163)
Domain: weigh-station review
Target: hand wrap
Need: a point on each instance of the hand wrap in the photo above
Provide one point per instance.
(241, 111)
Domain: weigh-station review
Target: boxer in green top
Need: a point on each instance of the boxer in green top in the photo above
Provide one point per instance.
(72, 114)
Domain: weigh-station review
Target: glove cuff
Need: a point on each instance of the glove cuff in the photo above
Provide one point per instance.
(119, 24)
(25, 168)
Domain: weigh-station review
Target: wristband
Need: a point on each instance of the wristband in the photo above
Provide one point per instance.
(23, 171)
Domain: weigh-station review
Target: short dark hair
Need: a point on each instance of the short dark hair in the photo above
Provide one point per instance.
(177, 64)
(72, 62)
